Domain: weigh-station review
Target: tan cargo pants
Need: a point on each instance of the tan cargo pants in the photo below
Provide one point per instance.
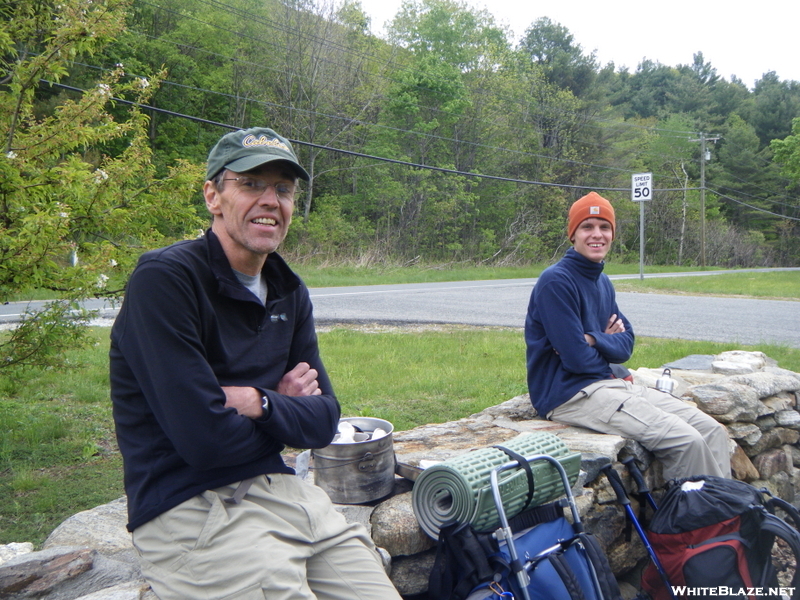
(282, 541)
(685, 439)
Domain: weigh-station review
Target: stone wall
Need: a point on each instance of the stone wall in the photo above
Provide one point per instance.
(89, 556)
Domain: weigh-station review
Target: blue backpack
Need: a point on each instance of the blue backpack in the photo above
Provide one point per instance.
(560, 561)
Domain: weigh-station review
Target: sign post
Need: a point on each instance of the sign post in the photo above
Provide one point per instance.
(641, 191)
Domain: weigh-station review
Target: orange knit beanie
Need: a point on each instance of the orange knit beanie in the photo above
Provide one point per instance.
(591, 205)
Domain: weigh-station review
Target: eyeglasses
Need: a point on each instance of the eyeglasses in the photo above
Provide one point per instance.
(256, 187)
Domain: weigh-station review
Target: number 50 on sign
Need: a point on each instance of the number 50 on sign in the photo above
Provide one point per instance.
(642, 187)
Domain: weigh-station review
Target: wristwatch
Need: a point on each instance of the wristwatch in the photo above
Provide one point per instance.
(264, 405)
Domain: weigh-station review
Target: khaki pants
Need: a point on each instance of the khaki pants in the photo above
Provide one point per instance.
(685, 439)
(283, 541)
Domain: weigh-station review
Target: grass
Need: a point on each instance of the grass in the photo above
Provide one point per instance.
(654, 352)
(778, 284)
(775, 284)
(58, 454)
(452, 372)
(434, 376)
(326, 275)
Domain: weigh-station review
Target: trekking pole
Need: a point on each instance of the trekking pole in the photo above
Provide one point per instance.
(642, 489)
(622, 497)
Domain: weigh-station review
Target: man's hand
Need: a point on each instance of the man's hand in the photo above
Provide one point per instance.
(246, 400)
(300, 381)
(615, 325)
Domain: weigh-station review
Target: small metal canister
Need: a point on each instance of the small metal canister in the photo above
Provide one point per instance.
(358, 472)
(665, 383)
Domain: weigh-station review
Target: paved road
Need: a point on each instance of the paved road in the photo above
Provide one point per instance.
(504, 303)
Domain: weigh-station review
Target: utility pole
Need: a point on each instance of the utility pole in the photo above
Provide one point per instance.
(705, 155)
(703, 200)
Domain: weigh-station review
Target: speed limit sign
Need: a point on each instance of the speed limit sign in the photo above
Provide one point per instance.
(642, 187)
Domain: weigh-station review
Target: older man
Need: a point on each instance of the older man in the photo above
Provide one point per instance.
(214, 369)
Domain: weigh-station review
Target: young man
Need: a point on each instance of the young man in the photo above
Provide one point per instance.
(574, 331)
(214, 369)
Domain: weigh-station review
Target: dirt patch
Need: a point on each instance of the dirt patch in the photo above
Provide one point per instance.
(405, 327)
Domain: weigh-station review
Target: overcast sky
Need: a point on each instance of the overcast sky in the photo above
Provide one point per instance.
(746, 39)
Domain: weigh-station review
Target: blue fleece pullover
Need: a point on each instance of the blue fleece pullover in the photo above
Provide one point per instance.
(571, 298)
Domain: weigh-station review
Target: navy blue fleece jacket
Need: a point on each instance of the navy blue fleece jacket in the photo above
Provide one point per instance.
(186, 328)
(571, 298)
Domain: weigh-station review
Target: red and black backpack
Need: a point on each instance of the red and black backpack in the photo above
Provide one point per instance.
(716, 536)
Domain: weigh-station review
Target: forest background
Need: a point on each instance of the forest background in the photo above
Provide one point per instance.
(443, 143)
(447, 90)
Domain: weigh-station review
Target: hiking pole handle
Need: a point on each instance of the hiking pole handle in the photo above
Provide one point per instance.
(616, 484)
(643, 490)
(636, 474)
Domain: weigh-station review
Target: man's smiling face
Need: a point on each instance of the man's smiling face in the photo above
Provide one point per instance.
(251, 220)
(592, 239)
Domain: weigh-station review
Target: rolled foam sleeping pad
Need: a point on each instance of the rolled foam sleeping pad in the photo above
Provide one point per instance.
(459, 489)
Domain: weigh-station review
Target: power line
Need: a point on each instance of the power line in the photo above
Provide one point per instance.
(410, 164)
(351, 120)
(349, 152)
(755, 208)
(283, 27)
(741, 193)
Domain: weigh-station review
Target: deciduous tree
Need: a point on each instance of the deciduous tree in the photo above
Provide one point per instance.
(73, 219)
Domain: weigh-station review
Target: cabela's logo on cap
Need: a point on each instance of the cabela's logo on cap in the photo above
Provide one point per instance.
(594, 210)
(251, 140)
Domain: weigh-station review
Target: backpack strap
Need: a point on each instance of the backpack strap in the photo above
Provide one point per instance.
(461, 562)
(773, 502)
(544, 513)
(524, 464)
(567, 576)
(779, 527)
(443, 576)
(609, 587)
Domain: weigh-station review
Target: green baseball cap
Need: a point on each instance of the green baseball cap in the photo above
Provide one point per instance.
(246, 149)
